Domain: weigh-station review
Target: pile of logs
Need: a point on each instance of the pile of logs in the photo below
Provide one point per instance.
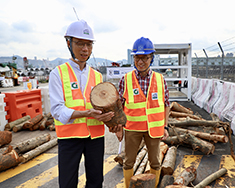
(186, 129)
(11, 156)
(40, 122)
(191, 130)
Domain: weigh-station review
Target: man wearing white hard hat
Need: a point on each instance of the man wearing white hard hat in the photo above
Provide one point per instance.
(79, 127)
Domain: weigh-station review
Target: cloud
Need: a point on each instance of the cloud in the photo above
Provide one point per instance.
(105, 26)
(23, 26)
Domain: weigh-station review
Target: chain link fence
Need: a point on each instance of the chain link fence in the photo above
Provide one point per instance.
(203, 68)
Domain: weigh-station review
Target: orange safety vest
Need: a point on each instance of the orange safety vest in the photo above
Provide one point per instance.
(145, 114)
(74, 99)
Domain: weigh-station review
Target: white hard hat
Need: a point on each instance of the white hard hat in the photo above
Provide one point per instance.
(81, 30)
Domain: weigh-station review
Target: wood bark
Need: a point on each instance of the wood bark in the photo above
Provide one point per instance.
(38, 150)
(196, 143)
(49, 122)
(179, 108)
(51, 127)
(143, 180)
(177, 186)
(187, 176)
(9, 126)
(168, 165)
(206, 136)
(175, 140)
(105, 97)
(33, 121)
(166, 180)
(5, 137)
(139, 158)
(211, 178)
(9, 160)
(163, 149)
(19, 127)
(6, 149)
(199, 144)
(191, 122)
(42, 125)
(182, 114)
(142, 165)
(32, 143)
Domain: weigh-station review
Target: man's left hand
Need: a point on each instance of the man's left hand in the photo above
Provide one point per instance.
(165, 136)
(116, 128)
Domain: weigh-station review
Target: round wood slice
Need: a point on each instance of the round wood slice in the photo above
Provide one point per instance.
(105, 97)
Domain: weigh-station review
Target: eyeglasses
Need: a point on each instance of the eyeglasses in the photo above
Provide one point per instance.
(144, 59)
(82, 44)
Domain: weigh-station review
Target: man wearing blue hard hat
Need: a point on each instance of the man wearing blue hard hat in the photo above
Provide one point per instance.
(145, 100)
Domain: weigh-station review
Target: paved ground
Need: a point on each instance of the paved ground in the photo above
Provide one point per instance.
(42, 171)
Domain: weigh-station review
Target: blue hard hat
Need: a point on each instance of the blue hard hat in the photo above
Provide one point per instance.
(142, 46)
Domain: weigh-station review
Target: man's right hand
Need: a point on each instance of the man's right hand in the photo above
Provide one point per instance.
(97, 114)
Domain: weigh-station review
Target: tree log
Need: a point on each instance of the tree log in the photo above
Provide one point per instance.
(49, 122)
(199, 144)
(9, 126)
(142, 165)
(5, 137)
(38, 150)
(42, 125)
(51, 127)
(6, 149)
(187, 176)
(179, 108)
(33, 121)
(177, 186)
(9, 160)
(143, 180)
(206, 136)
(196, 143)
(32, 143)
(139, 158)
(168, 165)
(181, 114)
(163, 149)
(19, 127)
(211, 178)
(104, 96)
(166, 180)
(191, 122)
(175, 140)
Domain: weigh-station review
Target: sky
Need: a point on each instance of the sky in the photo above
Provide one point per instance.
(35, 28)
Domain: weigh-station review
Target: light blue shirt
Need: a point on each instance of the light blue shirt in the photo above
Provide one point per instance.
(58, 109)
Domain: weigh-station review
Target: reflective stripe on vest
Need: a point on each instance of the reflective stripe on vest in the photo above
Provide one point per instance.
(74, 99)
(145, 113)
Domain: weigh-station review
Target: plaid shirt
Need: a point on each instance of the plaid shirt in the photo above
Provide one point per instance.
(144, 85)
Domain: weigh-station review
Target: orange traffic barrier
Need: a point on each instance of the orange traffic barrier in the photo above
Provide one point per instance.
(22, 103)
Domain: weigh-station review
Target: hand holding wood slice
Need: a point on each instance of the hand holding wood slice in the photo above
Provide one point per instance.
(105, 97)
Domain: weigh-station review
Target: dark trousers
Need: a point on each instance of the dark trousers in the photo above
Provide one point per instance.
(70, 152)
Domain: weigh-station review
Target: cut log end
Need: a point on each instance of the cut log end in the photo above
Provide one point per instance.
(143, 180)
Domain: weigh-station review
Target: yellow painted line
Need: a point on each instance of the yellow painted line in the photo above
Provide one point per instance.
(23, 167)
(228, 163)
(43, 178)
(188, 160)
(120, 184)
(109, 164)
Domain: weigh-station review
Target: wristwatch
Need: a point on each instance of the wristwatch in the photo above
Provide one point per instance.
(167, 128)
